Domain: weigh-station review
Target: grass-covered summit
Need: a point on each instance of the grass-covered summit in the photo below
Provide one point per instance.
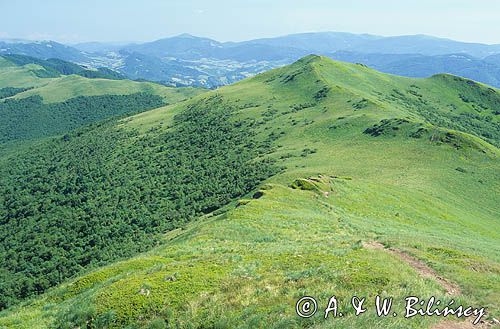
(367, 174)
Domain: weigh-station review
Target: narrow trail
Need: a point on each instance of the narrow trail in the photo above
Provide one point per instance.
(451, 288)
(423, 269)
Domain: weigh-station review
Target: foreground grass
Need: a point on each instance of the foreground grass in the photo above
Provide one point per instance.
(248, 267)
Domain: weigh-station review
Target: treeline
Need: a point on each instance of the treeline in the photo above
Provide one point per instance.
(29, 118)
(54, 67)
(10, 91)
(103, 192)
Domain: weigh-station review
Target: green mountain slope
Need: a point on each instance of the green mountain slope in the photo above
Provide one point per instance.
(375, 170)
(32, 106)
(59, 89)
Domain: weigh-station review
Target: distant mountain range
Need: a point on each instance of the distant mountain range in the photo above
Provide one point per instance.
(365, 43)
(187, 60)
(421, 66)
(42, 49)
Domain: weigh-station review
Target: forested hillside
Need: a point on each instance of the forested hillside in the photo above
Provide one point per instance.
(101, 193)
(30, 118)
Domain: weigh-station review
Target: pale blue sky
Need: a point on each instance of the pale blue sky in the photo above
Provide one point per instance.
(234, 20)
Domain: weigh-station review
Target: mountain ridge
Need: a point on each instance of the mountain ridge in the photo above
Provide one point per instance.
(187, 60)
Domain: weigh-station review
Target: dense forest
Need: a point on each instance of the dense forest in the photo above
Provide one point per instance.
(29, 118)
(10, 91)
(102, 192)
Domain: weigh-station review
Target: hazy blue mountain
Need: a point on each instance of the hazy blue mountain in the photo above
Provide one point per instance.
(189, 60)
(208, 73)
(494, 59)
(43, 50)
(184, 46)
(425, 45)
(99, 47)
(188, 47)
(257, 52)
(372, 59)
(317, 42)
(172, 72)
(419, 66)
(365, 43)
(456, 64)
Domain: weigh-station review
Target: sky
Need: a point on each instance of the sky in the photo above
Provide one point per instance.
(73, 21)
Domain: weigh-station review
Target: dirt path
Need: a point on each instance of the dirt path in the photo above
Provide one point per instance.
(427, 272)
(419, 266)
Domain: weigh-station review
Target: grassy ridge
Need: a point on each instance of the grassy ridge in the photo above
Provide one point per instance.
(59, 89)
(54, 67)
(32, 107)
(405, 162)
